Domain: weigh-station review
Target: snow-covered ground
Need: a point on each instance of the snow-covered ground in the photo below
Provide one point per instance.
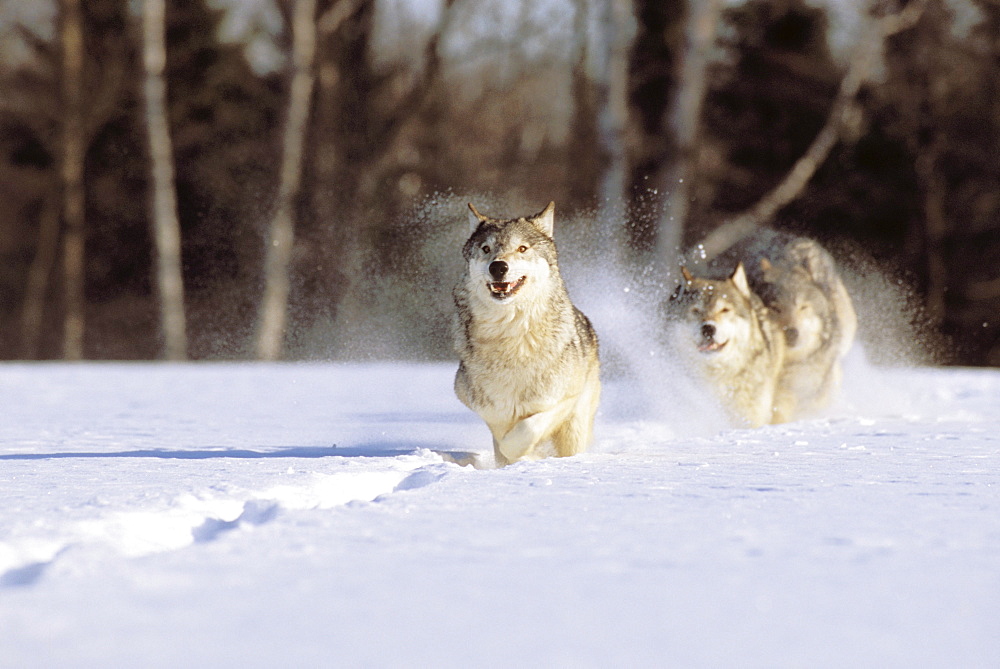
(310, 515)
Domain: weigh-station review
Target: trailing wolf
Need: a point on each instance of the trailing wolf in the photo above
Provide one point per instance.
(723, 333)
(528, 357)
(799, 283)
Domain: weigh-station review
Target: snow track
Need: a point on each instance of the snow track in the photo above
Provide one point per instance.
(177, 522)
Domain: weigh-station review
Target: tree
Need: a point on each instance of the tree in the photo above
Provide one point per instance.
(580, 152)
(39, 274)
(843, 112)
(73, 154)
(225, 129)
(273, 313)
(611, 81)
(939, 104)
(371, 119)
(684, 118)
(56, 102)
(164, 200)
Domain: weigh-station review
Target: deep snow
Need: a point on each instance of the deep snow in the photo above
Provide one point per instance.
(303, 515)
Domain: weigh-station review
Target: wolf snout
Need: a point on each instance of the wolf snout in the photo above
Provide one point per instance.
(791, 336)
(708, 342)
(498, 270)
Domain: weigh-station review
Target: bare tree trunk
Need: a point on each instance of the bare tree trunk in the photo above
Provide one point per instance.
(585, 173)
(273, 312)
(72, 176)
(936, 229)
(684, 117)
(842, 112)
(388, 134)
(164, 205)
(612, 123)
(39, 274)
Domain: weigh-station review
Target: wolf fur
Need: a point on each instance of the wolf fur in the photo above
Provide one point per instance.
(722, 331)
(528, 357)
(798, 281)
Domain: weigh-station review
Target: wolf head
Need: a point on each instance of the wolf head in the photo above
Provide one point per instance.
(510, 260)
(716, 318)
(798, 305)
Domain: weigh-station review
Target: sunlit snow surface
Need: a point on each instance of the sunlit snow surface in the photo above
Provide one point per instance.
(310, 515)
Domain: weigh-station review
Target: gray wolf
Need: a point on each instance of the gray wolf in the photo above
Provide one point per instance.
(798, 281)
(528, 357)
(723, 333)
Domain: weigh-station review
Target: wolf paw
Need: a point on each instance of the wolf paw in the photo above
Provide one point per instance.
(520, 442)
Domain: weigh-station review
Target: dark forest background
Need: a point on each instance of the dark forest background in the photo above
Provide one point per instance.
(650, 127)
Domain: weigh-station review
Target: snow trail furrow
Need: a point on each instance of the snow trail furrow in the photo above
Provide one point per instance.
(23, 576)
(190, 519)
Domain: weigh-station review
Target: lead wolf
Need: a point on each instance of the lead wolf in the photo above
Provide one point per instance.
(528, 357)
(798, 281)
(723, 333)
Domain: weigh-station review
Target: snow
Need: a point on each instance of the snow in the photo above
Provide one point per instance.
(313, 515)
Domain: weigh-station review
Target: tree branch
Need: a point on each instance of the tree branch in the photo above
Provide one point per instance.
(742, 225)
(983, 290)
(333, 18)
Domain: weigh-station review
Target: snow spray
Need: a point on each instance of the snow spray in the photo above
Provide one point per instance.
(401, 307)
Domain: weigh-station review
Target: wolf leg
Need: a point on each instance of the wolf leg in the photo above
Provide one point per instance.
(575, 434)
(528, 432)
(498, 456)
(828, 388)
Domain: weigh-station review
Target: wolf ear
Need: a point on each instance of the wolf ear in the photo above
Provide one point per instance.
(545, 219)
(818, 269)
(739, 278)
(475, 218)
(688, 277)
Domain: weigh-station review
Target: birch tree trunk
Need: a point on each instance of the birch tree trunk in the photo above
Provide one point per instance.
(684, 118)
(273, 312)
(619, 31)
(71, 169)
(164, 201)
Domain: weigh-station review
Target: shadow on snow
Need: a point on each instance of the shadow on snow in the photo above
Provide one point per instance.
(371, 450)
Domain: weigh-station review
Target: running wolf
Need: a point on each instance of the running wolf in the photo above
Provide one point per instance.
(723, 332)
(798, 281)
(528, 357)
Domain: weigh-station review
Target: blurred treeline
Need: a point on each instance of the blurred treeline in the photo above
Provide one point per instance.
(609, 107)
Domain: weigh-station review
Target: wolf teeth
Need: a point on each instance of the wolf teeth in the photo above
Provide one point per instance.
(505, 288)
(711, 347)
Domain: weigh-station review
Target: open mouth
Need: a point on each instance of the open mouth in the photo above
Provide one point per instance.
(711, 346)
(504, 289)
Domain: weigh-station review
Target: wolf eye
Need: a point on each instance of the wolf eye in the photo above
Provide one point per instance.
(486, 248)
(522, 248)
